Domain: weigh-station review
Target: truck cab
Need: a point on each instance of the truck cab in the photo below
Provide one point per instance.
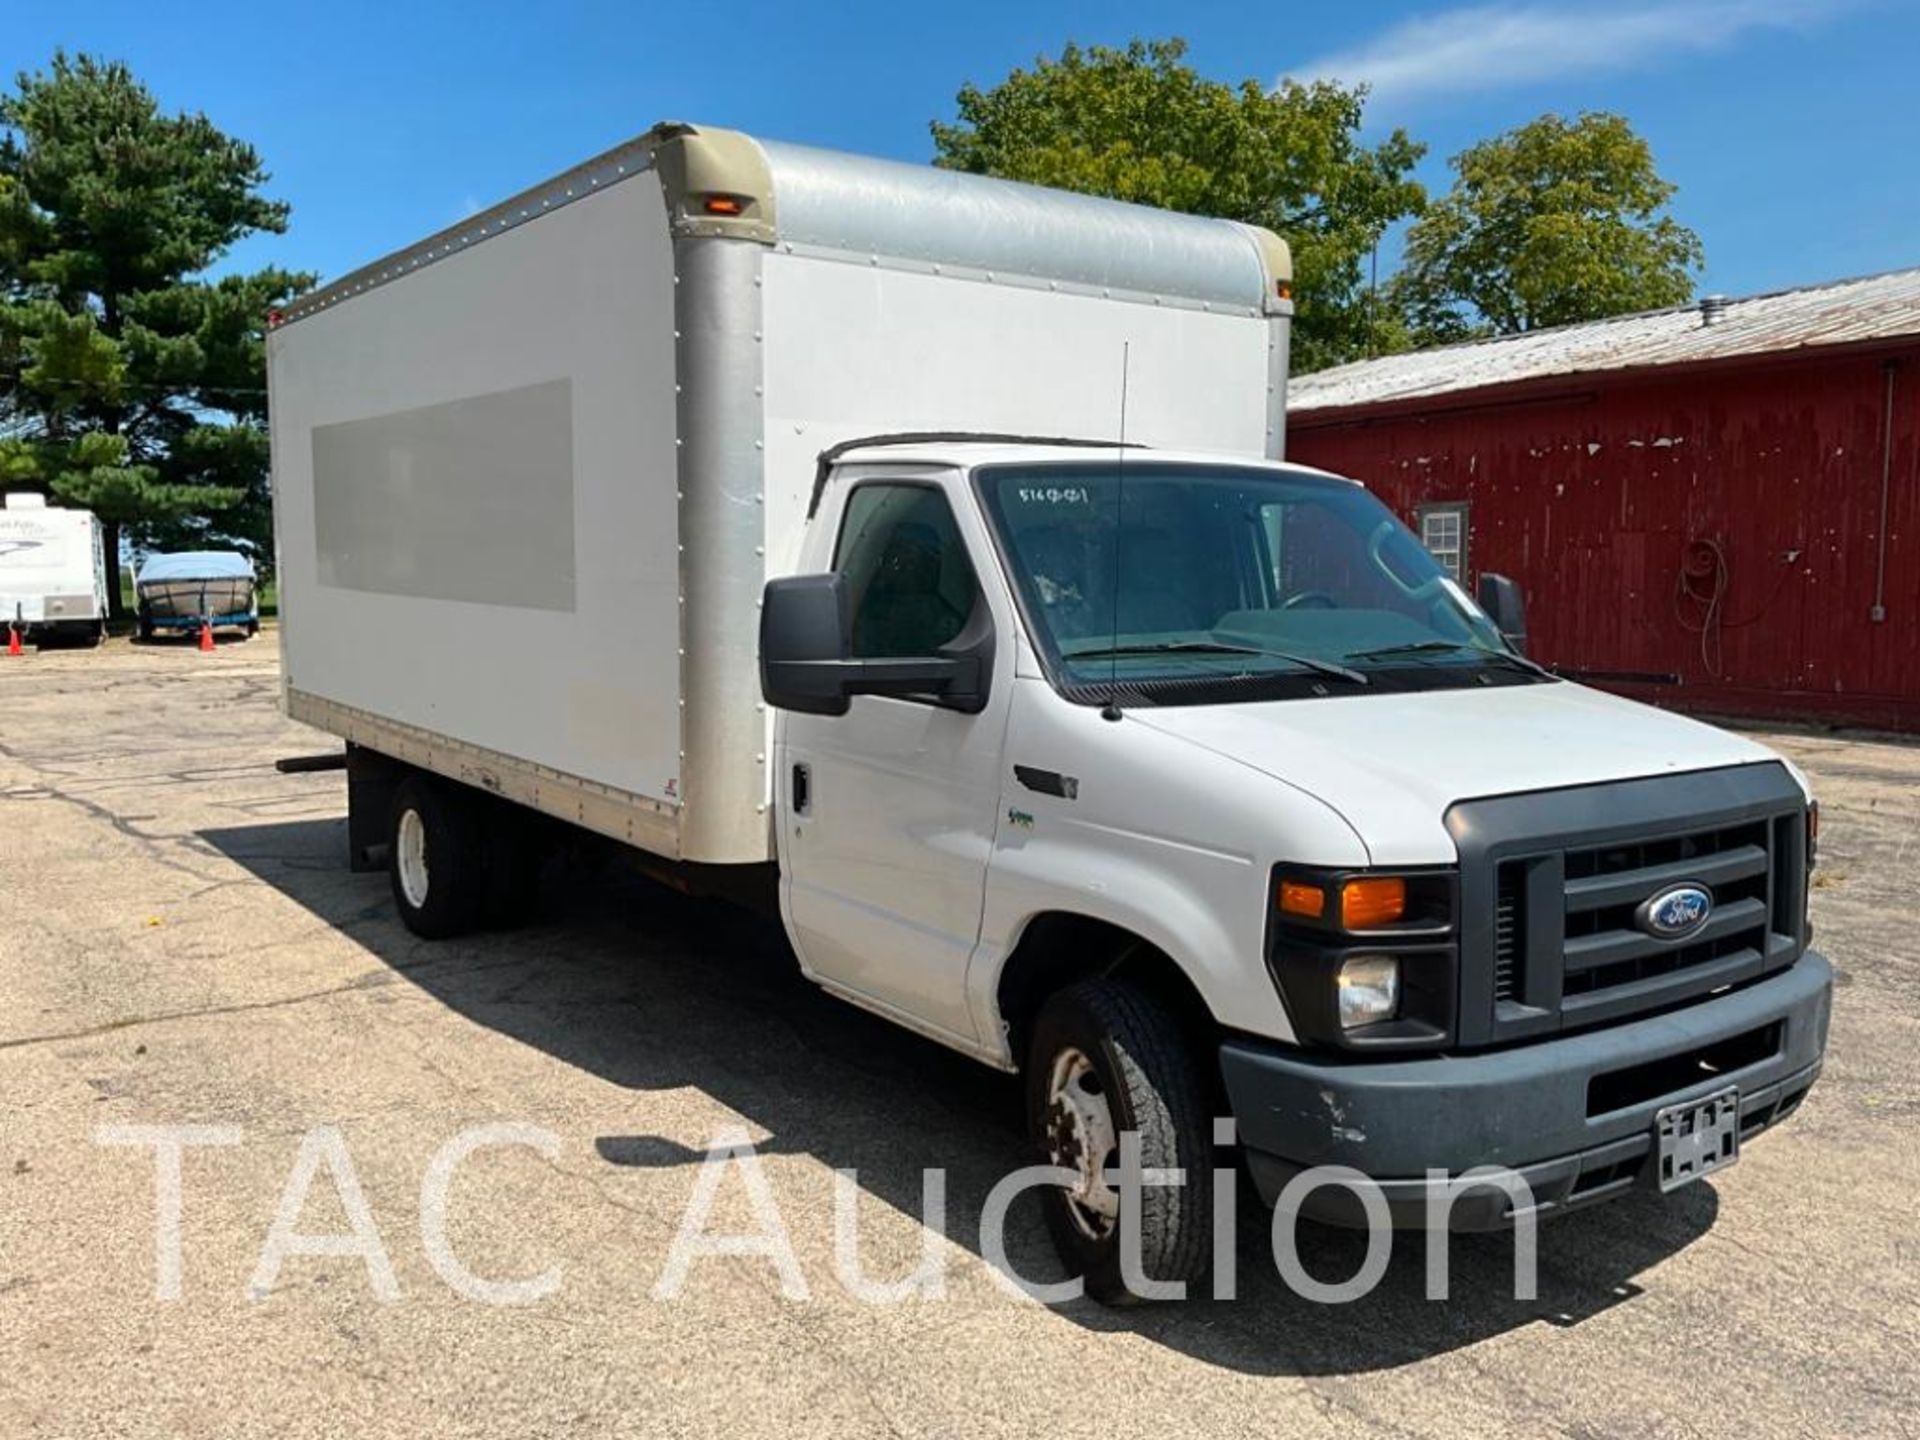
(1193, 786)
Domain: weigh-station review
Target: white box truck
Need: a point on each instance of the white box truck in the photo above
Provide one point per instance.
(765, 510)
(53, 571)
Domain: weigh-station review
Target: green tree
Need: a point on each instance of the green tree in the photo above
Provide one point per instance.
(1553, 222)
(129, 384)
(1139, 124)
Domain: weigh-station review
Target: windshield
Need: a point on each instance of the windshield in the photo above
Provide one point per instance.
(1179, 580)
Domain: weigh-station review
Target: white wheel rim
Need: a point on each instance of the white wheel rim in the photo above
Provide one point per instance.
(1081, 1137)
(410, 847)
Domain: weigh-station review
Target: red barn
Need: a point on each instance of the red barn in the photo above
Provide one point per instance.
(1715, 507)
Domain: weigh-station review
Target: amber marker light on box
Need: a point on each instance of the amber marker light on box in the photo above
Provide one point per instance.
(1373, 901)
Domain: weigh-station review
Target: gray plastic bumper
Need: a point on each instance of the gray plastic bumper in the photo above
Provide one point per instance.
(1535, 1108)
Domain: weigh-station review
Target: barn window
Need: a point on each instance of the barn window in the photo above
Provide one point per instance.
(1443, 530)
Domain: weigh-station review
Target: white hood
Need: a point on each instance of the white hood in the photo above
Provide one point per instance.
(1392, 764)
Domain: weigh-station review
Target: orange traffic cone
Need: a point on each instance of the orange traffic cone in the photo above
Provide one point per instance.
(13, 640)
(206, 635)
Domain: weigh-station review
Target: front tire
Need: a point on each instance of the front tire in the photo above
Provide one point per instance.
(1104, 1059)
(436, 859)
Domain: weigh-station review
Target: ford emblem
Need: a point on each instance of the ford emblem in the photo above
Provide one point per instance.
(1675, 912)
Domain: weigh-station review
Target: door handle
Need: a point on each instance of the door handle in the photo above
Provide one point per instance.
(1047, 782)
(801, 792)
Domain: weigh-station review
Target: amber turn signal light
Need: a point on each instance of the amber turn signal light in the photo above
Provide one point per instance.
(724, 205)
(1299, 898)
(1376, 900)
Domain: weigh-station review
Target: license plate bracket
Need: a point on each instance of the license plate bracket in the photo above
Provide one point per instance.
(1696, 1138)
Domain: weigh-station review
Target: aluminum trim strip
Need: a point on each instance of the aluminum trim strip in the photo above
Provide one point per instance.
(623, 162)
(639, 820)
(1011, 278)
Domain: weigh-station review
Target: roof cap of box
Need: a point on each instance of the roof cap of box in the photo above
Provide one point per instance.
(721, 183)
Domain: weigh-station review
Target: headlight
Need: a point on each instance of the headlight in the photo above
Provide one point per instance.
(1369, 990)
(1366, 959)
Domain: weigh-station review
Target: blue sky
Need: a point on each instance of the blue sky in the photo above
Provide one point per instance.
(1791, 126)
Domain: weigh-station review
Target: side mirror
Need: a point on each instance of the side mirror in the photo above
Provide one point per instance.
(807, 665)
(1506, 607)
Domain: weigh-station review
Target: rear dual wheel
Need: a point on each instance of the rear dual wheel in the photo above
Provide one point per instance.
(459, 860)
(436, 860)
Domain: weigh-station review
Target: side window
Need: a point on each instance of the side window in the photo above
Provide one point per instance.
(909, 582)
(1443, 530)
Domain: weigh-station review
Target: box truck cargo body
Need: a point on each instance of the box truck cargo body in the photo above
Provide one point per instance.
(53, 575)
(531, 475)
(767, 510)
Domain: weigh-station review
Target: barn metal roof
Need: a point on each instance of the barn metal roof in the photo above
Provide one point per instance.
(1842, 312)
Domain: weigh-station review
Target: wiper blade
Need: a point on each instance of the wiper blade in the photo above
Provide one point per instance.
(1220, 647)
(1411, 647)
(1520, 662)
(1427, 647)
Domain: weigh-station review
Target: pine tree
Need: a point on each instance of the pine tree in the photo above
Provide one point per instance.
(131, 385)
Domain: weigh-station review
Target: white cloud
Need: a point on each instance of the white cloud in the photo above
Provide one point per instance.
(1488, 47)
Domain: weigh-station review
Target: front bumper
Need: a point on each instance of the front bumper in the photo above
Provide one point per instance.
(1572, 1115)
(194, 622)
(46, 612)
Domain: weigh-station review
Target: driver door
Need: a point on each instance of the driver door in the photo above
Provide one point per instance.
(888, 811)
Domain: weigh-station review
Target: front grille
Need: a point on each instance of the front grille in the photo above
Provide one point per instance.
(1506, 930)
(1562, 947)
(1637, 1084)
(1604, 950)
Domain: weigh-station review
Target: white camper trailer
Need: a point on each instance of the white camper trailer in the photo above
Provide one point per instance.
(763, 509)
(53, 573)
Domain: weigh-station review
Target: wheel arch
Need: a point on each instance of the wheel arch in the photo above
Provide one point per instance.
(1057, 948)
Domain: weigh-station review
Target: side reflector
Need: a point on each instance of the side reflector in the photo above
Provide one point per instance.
(1370, 902)
(724, 205)
(1301, 899)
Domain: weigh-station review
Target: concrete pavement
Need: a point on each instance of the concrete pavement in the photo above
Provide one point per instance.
(181, 942)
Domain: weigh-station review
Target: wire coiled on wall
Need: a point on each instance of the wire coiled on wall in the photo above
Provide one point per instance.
(1702, 583)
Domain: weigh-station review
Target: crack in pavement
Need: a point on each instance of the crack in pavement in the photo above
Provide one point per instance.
(366, 980)
(154, 847)
(371, 979)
